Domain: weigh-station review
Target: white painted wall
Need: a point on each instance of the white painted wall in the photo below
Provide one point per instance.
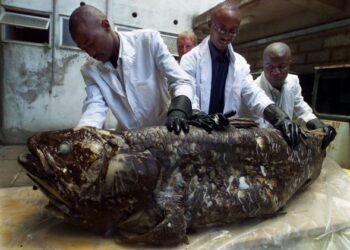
(159, 14)
(33, 98)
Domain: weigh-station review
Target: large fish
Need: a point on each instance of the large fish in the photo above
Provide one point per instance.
(149, 185)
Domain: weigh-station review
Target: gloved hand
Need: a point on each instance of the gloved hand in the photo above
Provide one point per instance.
(177, 121)
(211, 122)
(329, 136)
(281, 121)
(330, 132)
(179, 111)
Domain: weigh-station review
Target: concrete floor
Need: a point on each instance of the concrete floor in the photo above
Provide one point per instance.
(11, 173)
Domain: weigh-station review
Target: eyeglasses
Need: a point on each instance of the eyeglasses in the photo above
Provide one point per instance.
(223, 31)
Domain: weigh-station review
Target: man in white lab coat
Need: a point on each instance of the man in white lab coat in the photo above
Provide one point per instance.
(129, 75)
(284, 89)
(185, 41)
(222, 79)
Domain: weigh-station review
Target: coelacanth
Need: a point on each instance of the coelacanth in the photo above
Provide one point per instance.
(149, 185)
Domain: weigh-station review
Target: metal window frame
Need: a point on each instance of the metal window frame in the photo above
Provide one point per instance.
(123, 27)
(6, 40)
(61, 45)
(13, 13)
(318, 72)
(167, 37)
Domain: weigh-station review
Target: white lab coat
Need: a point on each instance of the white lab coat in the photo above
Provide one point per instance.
(239, 82)
(142, 96)
(289, 99)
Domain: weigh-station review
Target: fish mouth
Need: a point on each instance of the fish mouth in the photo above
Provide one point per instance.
(38, 169)
(34, 167)
(35, 162)
(29, 162)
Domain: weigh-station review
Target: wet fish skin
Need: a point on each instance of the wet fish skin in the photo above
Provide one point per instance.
(154, 185)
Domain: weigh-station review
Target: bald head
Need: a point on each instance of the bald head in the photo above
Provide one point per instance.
(92, 33)
(224, 24)
(276, 62)
(224, 7)
(85, 17)
(277, 49)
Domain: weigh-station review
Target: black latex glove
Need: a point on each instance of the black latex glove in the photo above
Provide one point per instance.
(179, 112)
(211, 122)
(290, 131)
(330, 132)
(177, 121)
(329, 136)
(281, 121)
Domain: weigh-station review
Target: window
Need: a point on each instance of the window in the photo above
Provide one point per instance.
(17, 19)
(171, 42)
(25, 27)
(332, 93)
(66, 39)
(120, 27)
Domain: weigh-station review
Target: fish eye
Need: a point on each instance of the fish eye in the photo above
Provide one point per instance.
(64, 148)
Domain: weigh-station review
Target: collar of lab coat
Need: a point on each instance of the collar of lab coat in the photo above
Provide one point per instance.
(127, 51)
(204, 50)
(217, 55)
(272, 92)
(278, 96)
(205, 70)
(127, 55)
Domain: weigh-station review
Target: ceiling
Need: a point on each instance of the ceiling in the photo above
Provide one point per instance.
(265, 18)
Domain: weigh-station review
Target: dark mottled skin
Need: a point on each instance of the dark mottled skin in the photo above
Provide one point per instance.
(149, 185)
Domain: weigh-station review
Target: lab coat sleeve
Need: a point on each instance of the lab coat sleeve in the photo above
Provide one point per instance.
(179, 83)
(253, 97)
(188, 64)
(301, 109)
(94, 107)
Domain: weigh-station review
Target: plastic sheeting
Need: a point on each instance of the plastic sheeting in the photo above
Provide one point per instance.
(317, 218)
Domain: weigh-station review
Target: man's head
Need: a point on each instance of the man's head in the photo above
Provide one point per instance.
(92, 33)
(186, 41)
(276, 62)
(224, 24)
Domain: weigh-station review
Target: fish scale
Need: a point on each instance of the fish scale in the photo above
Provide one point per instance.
(149, 185)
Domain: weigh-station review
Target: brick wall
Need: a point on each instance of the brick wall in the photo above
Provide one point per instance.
(317, 49)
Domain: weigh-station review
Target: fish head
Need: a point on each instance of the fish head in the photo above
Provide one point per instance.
(85, 172)
(68, 165)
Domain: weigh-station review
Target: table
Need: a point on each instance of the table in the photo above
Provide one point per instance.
(316, 218)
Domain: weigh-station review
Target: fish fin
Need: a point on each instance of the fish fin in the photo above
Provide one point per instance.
(186, 240)
(281, 211)
(170, 231)
(305, 185)
(141, 222)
